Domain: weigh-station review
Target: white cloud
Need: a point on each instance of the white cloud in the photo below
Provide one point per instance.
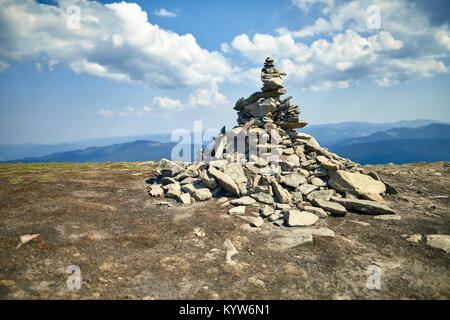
(167, 103)
(386, 82)
(106, 113)
(207, 97)
(443, 37)
(225, 47)
(406, 47)
(165, 13)
(306, 5)
(115, 41)
(3, 66)
(51, 63)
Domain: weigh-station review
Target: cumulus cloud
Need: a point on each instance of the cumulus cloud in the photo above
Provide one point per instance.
(207, 97)
(342, 50)
(167, 103)
(114, 41)
(165, 13)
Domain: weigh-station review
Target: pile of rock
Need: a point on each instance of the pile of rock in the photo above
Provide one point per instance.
(265, 162)
(266, 106)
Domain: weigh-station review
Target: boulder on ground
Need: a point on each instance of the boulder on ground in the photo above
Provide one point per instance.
(225, 181)
(355, 182)
(296, 218)
(363, 206)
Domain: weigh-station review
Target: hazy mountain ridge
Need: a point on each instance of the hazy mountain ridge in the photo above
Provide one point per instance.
(398, 145)
(141, 150)
(431, 131)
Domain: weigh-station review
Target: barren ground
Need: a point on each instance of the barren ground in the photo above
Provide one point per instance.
(100, 218)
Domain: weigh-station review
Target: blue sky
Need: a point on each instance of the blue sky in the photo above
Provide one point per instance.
(147, 67)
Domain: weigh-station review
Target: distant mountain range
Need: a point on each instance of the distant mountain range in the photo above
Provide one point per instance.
(430, 142)
(399, 145)
(327, 135)
(332, 134)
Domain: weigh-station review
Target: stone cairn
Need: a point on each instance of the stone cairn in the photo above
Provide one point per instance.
(264, 163)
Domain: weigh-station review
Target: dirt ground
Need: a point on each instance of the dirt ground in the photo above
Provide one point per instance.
(100, 218)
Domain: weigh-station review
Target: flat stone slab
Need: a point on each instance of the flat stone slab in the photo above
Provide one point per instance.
(333, 207)
(292, 125)
(263, 198)
(296, 218)
(237, 210)
(355, 182)
(439, 241)
(243, 201)
(364, 206)
(283, 243)
(292, 237)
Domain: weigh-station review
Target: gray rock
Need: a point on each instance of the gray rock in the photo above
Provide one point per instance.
(235, 171)
(254, 221)
(317, 211)
(188, 180)
(266, 211)
(439, 241)
(185, 198)
(173, 190)
(282, 206)
(297, 196)
(355, 183)
(275, 216)
(296, 218)
(283, 243)
(156, 191)
(263, 198)
(258, 110)
(333, 207)
(187, 174)
(288, 151)
(225, 181)
(169, 168)
(320, 172)
(245, 201)
(222, 200)
(319, 182)
(320, 194)
(282, 194)
(207, 180)
(414, 238)
(306, 188)
(273, 83)
(201, 194)
(293, 180)
(364, 206)
(197, 191)
(237, 210)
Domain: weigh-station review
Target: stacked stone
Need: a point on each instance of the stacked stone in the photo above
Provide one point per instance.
(287, 173)
(266, 106)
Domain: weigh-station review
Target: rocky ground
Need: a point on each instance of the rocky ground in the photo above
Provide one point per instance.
(100, 218)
